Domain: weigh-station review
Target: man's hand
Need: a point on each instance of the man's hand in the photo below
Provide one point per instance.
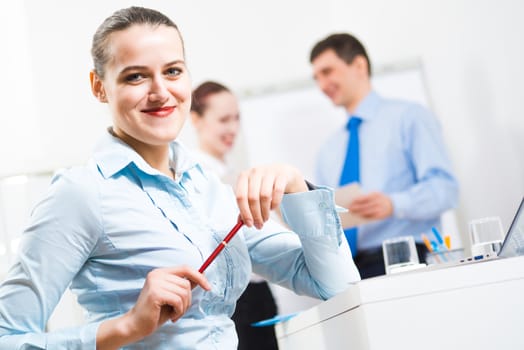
(374, 205)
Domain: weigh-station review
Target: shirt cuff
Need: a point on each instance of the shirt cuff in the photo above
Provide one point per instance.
(313, 214)
(85, 337)
(88, 335)
(400, 204)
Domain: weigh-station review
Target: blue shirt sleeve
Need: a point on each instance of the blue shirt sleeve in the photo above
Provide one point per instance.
(52, 250)
(435, 189)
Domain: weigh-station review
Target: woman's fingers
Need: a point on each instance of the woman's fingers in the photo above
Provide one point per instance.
(255, 195)
(193, 276)
(256, 177)
(167, 294)
(259, 190)
(176, 288)
(266, 197)
(278, 191)
(241, 192)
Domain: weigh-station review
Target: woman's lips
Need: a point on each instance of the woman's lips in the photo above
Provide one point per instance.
(228, 141)
(159, 112)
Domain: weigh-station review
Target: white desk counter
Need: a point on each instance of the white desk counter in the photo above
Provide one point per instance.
(470, 306)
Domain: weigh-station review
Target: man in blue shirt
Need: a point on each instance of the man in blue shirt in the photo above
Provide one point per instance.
(400, 163)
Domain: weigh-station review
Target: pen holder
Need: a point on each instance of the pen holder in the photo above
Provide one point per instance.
(444, 256)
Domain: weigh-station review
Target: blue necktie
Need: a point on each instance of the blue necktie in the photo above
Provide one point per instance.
(351, 173)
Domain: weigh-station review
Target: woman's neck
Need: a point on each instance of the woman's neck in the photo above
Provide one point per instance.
(156, 156)
(219, 156)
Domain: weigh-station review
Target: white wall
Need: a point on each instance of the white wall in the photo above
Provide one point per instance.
(471, 50)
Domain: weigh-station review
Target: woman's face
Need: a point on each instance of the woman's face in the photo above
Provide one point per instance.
(218, 126)
(146, 85)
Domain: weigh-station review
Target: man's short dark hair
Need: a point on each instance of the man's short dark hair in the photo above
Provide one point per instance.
(346, 46)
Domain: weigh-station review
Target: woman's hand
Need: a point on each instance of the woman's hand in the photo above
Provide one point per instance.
(260, 189)
(166, 295)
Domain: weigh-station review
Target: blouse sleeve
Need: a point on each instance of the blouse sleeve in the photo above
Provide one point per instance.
(64, 230)
(316, 260)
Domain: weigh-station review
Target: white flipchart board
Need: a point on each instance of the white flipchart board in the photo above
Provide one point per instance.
(290, 125)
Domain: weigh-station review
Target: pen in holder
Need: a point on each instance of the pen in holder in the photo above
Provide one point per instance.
(444, 256)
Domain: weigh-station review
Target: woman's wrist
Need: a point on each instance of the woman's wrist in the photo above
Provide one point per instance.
(298, 184)
(116, 332)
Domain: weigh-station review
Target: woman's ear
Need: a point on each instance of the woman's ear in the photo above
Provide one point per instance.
(195, 119)
(97, 87)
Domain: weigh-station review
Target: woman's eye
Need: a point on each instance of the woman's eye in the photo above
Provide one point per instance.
(133, 77)
(173, 71)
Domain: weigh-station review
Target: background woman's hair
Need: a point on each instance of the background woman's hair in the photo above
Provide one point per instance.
(121, 20)
(202, 92)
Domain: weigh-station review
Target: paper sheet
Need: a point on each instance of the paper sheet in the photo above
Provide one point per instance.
(343, 197)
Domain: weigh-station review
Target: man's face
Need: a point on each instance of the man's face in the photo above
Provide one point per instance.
(341, 82)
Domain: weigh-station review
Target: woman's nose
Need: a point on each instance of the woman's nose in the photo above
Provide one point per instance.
(158, 91)
(233, 127)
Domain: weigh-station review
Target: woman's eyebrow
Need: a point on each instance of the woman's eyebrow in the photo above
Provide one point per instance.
(137, 67)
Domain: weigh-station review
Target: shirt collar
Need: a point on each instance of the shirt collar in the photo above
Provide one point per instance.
(181, 159)
(366, 110)
(112, 155)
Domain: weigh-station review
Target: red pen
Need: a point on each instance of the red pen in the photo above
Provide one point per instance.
(221, 245)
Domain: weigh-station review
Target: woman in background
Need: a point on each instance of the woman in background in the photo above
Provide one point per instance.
(216, 118)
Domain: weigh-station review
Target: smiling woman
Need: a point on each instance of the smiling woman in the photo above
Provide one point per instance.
(128, 230)
(216, 120)
(146, 84)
